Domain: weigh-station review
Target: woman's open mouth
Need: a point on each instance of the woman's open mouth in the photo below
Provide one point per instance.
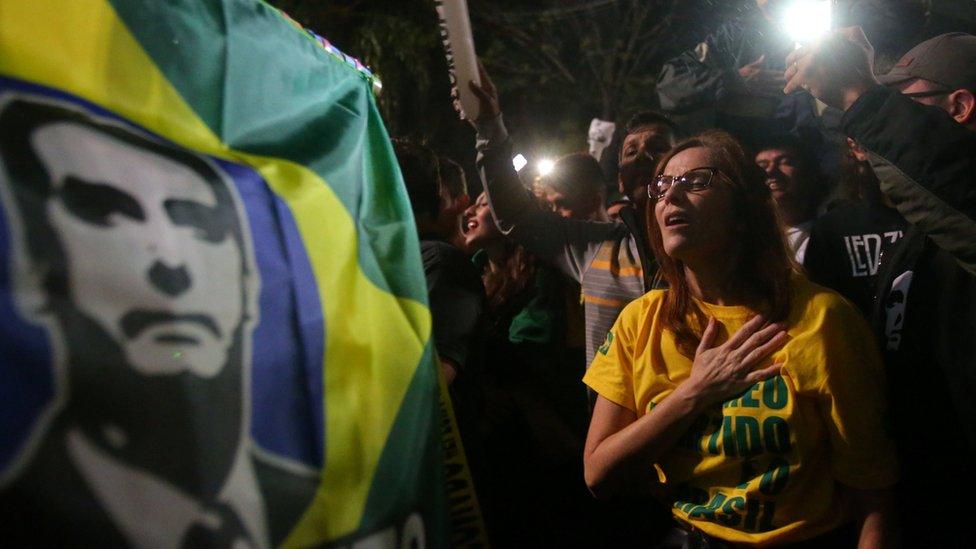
(676, 220)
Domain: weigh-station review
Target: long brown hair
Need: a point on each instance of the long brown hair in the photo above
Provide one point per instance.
(511, 278)
(763, 265)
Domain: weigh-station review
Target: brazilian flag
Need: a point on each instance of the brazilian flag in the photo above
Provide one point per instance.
(213, 322)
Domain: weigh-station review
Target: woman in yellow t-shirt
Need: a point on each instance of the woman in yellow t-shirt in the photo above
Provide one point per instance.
(755, 393)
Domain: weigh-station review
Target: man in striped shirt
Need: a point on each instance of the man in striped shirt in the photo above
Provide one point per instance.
(612, 261)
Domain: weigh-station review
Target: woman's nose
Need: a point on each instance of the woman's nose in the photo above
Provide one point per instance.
(669, 194)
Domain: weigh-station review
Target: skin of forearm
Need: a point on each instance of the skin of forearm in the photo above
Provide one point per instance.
(875, 510)
(872, 533)
(621, 457)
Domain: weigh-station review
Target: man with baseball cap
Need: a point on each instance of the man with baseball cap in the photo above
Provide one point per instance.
(918, 123)
(940, 72)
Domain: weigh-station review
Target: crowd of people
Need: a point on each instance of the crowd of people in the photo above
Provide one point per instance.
(762, 334)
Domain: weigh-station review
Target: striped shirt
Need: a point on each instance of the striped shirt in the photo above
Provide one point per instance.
(612, 279)
(602, 256)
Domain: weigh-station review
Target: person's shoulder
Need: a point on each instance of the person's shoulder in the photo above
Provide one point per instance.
(837, 219)
(604, 238)
(829, 329)
(644, 308)
(654, 298)
(446, 262)
(859, 214)
(615, 228)
(838, 209)
(440, 253)
(436, 249)
(810, 298)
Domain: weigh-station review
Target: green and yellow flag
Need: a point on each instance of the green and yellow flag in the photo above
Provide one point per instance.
(213, 320)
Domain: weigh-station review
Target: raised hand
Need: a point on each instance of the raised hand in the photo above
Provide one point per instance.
(724, 371)
(835, 70)
(487, 95)
(759, 78)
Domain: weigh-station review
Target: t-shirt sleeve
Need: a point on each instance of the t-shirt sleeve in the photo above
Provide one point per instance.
(611, 374)
(862, 452)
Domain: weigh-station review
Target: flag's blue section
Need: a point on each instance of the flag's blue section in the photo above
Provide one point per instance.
(287, 352)
(26, 378)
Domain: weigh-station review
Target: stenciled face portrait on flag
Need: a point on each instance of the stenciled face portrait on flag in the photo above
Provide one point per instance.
(135, 256)
(193, 258)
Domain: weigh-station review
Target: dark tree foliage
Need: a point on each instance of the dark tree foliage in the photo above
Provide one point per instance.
(398, 40)
(559, 63)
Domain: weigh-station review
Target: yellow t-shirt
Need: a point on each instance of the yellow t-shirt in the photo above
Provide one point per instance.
(760, 468)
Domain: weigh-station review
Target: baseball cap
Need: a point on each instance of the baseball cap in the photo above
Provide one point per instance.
(948, 59)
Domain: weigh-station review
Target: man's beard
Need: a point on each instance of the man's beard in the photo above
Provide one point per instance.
(182, 428)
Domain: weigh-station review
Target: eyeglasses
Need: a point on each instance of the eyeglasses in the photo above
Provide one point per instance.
(694, 180)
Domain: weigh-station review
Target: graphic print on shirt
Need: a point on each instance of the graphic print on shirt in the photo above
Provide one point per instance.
(895, 309)
(605, 348)
(751, 431)
(864, 251)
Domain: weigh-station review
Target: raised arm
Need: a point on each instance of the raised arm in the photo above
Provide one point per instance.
(698, 77)
(924, 159)
(926, 164)
(567, 244)
(708, 73)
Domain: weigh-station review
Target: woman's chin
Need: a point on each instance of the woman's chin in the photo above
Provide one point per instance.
(473, 243)
(678, 248)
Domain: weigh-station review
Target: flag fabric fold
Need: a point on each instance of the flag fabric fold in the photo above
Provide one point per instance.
(210, 292)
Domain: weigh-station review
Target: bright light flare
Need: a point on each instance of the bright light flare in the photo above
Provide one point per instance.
(805, 21)
(519, 162)
(545, 166)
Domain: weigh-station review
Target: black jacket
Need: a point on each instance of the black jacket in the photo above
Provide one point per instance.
(926, 312)
(709, 73)
(704, 83)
